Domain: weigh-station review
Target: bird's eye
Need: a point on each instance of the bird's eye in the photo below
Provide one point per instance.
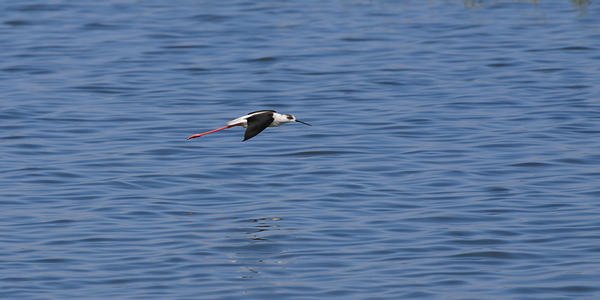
(289, 117)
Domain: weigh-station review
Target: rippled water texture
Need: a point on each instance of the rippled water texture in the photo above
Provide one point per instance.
(454, 152)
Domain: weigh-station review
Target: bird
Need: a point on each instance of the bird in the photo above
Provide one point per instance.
(254, 122)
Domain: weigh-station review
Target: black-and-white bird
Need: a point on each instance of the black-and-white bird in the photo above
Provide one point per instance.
(255, 122)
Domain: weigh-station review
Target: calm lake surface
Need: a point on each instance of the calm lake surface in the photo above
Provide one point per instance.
(454, 152)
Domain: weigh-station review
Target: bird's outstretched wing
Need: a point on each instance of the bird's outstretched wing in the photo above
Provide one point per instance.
(257, 123)
(261, 111)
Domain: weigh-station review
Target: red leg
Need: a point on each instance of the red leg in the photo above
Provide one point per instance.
(197, 135)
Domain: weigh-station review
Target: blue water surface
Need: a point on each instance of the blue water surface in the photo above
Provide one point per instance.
(454, 152)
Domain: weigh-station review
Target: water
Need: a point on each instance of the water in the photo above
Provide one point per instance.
(453, 152)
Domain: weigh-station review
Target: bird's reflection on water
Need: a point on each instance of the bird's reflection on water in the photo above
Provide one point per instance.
(260, 249)
(263, 225)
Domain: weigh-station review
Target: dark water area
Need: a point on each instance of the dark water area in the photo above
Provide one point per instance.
(454, 152)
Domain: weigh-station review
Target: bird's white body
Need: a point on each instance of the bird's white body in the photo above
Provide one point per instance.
(278, 119)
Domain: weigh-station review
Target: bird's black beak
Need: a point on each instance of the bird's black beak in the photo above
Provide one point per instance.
(303, 122)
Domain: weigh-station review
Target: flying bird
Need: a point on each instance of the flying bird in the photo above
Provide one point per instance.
(255, 122)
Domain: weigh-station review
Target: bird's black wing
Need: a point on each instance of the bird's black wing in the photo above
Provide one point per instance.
(257, 123)
(261, 111)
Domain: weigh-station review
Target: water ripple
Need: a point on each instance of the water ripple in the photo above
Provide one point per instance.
(437, 166)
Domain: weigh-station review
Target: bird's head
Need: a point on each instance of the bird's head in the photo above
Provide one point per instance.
(292, 118)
